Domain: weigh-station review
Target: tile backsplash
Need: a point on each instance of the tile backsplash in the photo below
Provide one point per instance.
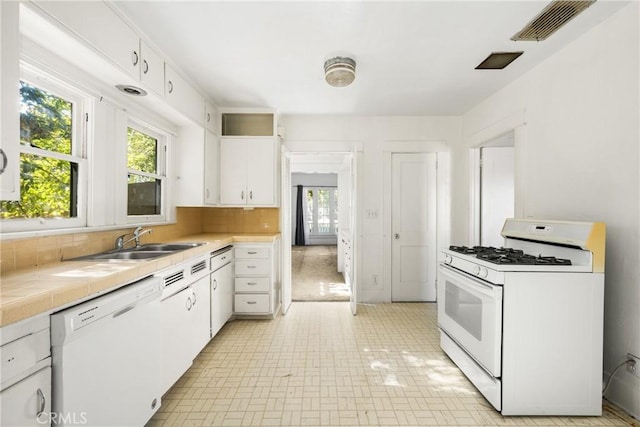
(31, 252)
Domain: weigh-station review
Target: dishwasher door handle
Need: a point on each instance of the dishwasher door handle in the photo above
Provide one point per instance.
(124, 310)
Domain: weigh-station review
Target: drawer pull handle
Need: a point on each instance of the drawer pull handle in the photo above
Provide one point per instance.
(42, 402)
(251, 302)
(251, 266)
(252, 283)
(252, 252)
(215, 284)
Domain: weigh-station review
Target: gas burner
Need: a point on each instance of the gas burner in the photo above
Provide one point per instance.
(508, 256)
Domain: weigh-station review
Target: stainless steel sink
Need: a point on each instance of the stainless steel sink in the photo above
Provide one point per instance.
(141, 253)
(123, 255)
(173, 247)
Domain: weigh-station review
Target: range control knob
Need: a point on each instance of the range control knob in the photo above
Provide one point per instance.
(476, 270)
(448, 259)
(483, 272)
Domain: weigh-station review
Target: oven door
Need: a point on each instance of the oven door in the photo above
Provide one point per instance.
(470, 312)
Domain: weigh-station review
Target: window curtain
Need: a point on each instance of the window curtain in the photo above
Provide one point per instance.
(301, 209)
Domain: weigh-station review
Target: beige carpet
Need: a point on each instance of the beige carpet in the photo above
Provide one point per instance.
(314, 275)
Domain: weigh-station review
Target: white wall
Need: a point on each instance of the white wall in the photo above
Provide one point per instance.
(581, 162)
(377, 135)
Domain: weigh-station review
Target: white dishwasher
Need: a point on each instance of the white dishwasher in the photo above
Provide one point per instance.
(105, 358)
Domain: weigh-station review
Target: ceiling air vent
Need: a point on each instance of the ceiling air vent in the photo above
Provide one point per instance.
(552, 17)
(498, 60)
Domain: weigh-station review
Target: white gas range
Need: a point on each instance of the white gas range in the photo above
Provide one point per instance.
(524, 322)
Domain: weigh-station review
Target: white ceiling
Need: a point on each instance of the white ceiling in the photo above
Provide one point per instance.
(413, 57)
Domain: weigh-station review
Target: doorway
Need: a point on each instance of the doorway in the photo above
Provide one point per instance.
(318, 209)
(494, 195)
(315, 274)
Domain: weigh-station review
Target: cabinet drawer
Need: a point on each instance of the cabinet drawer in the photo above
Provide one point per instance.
(21, 354)
(252, 268)
(252, 303)
(248, 284)
(244, 253)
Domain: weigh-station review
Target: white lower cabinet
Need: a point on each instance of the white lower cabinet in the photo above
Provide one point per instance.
(28, 403)
(186, 311)
(256, 279)
(221, 297)
(25, 373)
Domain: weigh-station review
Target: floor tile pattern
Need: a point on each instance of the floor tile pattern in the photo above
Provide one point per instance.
(321, 366)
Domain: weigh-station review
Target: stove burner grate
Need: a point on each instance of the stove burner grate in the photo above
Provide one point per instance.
(508, 256)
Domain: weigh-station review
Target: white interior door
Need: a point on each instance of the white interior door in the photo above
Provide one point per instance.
(286, 233)
(497, 193)
(413, 247)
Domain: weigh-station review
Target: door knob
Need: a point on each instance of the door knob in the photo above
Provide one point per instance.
(396, 236)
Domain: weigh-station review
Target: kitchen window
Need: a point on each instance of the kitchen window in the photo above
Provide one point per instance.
(52, 159)
(146, 173)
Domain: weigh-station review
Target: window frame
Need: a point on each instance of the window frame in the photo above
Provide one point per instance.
(162, 145)
(333, 213)
(45, 81)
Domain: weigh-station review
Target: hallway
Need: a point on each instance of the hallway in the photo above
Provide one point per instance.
(314, 275)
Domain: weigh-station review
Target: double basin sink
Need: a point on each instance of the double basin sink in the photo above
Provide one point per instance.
(140, 253)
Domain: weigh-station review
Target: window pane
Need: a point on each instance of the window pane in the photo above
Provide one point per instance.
(45, 120)
(143, 195)
(310, 210)
(324, 221)
(47, 189)
(142, 151)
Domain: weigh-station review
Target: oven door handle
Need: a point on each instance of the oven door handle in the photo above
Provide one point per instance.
(471, 282)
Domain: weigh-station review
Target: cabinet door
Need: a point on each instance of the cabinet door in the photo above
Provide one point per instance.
(182, 96)
(233, 171)
(9, 101)
(100, 26)
(176, 337)
(152, 68)
(212, 117)
(221, 297)
(211, 147)
(190, 163)
(27, 403)
(200, 315)
(260, 171)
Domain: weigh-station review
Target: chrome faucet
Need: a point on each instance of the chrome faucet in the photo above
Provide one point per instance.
(120, 242)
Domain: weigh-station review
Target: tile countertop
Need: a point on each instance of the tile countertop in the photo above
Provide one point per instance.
(32, 291)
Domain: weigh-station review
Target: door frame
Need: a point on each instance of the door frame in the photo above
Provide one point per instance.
(443, 203)
(514, 123)
(354, 148)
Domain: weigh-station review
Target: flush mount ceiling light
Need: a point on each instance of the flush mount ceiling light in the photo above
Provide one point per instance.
(498, 60)
(339, 71)
(131, 90)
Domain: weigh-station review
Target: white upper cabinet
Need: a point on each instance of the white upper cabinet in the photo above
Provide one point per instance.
(211, 149)
(247, 171)
(182, 96)
(9, 102)
(212, 117)
(151, 68)
(98, 24)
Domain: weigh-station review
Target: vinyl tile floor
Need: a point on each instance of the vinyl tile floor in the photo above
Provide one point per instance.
(321, 366)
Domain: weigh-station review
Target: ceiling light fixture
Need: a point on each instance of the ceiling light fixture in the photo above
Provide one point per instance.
(131, 90)
(339, 71)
